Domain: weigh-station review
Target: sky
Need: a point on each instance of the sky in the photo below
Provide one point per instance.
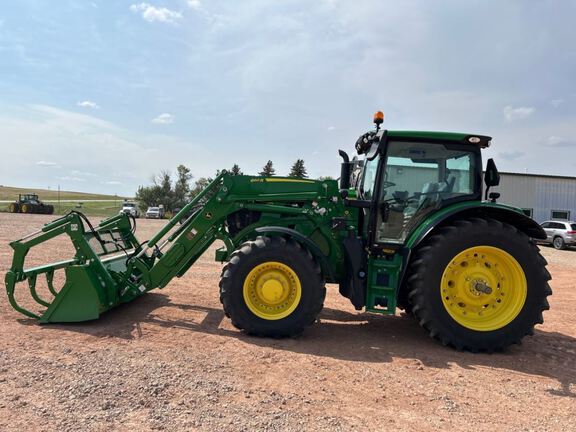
(99, 96)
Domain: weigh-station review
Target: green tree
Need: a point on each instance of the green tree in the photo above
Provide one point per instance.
(148, 196)
(167, 193)
(235, 170)
(163, 192)
(200, 185)
(298, 170)
(182, 186)
(268, 170)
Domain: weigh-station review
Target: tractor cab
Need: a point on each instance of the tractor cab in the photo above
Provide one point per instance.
(405, 176)
(29, 198)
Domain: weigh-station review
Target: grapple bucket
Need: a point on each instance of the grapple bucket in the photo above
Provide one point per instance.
(92, 281)
(109, 265)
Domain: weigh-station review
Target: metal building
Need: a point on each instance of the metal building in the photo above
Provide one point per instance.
(542, 197)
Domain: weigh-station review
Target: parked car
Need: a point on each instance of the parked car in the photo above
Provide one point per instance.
(560, 234)
(130, 209)
(155, 213)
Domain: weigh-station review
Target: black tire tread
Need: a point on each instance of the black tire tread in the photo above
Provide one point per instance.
(419, 269)
(233, 265)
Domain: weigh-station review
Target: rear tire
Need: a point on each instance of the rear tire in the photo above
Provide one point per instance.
(559, 243)
(272, 287)
(14, 208)
(25, 208)
(478, 285)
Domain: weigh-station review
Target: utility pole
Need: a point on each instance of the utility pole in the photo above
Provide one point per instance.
(59, 199)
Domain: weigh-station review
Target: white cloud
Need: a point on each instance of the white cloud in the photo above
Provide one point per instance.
(71, 178)
(331, 128)
(88, 145)
(83, 173)
(557, 141)
(519, 113)
(164, 118)
(112, 182)
(152, 13)
(88, 104)
(195, 4)
(556, 102)
(47, 164)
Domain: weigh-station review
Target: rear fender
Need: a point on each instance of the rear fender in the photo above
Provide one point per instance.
(499, 212)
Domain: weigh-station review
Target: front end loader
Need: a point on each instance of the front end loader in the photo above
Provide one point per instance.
(408, 227)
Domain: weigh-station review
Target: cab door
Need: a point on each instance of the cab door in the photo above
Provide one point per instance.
(415, 179)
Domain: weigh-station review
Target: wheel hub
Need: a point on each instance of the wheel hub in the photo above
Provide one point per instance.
(480, 287)
(272, 290)
(483, 288)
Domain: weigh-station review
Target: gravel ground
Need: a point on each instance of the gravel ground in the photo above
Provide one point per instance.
(171, 361)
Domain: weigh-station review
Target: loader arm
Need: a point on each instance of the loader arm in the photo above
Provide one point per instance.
(111, 267)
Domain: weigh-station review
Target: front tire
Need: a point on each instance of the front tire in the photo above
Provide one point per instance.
(478, 285)
(272, 287)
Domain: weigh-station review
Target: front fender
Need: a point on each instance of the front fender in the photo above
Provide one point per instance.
(305, 241)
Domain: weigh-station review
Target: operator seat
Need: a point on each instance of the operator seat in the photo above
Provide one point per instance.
(428, 195)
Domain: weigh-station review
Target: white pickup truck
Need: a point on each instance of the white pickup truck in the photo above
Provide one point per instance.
(130, 209)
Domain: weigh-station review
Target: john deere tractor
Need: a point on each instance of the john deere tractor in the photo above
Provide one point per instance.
(407, 227)
(30, 203)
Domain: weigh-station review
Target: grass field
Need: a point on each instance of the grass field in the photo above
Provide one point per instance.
(100, 208)
(11, 193)
(107, 205)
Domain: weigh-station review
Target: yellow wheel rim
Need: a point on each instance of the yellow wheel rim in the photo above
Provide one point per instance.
(24, 208)
(483, 288)
(272, 290)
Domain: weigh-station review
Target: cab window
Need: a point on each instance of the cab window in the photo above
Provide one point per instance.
(420, 177)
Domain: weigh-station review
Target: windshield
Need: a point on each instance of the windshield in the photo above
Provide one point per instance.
(368, 179)
(129, 205)
(153, 209)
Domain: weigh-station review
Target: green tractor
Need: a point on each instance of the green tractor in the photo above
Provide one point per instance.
(30, 203)
(407, 227)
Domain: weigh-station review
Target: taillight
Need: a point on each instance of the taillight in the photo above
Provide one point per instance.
(570, 232)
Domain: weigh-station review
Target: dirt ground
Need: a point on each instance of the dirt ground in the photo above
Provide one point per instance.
(171, 360)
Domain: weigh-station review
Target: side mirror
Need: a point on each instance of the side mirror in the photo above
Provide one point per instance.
(491, 176)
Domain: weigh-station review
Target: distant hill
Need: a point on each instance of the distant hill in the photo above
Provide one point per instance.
(88, 203)
(11, 193)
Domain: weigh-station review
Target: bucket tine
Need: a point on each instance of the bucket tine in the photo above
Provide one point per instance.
(10, 286)
(32, 285)
(49, 281)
